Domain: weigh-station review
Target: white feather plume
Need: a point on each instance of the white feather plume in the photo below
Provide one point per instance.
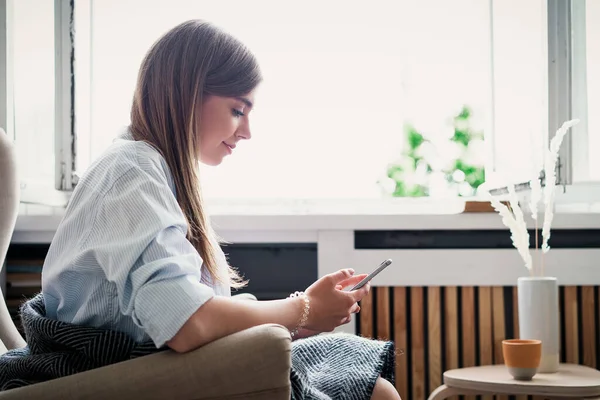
(536, 196)
(515, 222)
(550, 160)
(521, 235)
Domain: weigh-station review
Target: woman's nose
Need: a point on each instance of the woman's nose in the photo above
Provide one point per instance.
(243, 131)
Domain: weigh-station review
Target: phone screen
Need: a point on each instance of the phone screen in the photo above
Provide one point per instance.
(372, 274)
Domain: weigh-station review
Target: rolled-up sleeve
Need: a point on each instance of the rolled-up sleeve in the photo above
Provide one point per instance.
(139, 240)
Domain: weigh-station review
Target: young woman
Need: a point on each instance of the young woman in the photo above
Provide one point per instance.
(136, 253)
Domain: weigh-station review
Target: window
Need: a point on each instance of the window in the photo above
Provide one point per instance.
(585, 15)
(36, 100)
(342, 79)
(30, 80)
(350, 89)
(519, 63)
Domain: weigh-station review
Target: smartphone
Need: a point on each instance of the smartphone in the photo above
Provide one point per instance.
(372, 274)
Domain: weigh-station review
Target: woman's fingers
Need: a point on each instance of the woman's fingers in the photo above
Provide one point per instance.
(341, 275)
(357, 295)
(352, 281)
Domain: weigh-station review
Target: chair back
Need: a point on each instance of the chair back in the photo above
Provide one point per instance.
(9, 208)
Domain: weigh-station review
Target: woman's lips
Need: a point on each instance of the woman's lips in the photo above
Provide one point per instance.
(230, 147)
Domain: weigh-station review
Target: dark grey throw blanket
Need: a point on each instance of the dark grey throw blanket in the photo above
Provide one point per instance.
(323, 367)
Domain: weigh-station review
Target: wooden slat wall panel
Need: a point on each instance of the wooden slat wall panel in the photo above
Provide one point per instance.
(516, 324)
(451, 330)
(434, 347)
(451, 336)
(468, 330)
(498, 323)
(383, 310)
(499, 327)
(589, 337)
(417, 347)
(366, 316)
(437, 329)
(571, 331)
(515, 312)
(486, 347)
(400, 337)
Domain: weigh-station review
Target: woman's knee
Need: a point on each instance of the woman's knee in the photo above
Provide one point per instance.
(384, 390)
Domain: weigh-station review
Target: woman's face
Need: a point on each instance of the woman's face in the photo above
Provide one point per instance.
(223, 123)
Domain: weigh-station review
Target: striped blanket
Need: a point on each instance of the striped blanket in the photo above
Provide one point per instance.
(323, 367)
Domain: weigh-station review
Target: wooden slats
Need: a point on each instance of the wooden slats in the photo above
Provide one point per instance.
(451, 317)
(434, 347)
(499, 327)
(589, 334)
(498, 323)
(515, 311)
(486, 347)
(383, 312)
(434, 329)
(516, 335)
(468, 330)
(451, 329)
(417, 344)
(571, 331)
(366, 316)
(400, 332)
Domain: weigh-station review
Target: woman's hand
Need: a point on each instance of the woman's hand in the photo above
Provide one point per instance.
(330, 306)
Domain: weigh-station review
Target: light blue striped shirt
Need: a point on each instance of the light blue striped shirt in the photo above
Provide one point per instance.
(120, 259)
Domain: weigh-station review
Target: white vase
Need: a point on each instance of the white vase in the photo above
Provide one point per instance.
(538, 317)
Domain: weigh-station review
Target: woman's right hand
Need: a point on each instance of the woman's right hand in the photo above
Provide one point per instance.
(330, 306)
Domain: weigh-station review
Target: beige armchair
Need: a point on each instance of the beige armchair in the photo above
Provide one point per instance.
(253, 364)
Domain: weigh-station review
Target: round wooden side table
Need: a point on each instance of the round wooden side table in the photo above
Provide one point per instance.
(571, 381)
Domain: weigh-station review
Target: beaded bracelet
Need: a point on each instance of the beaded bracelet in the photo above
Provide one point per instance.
(305, 312)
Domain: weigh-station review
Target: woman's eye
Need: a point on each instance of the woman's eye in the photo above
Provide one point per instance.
(237, 113)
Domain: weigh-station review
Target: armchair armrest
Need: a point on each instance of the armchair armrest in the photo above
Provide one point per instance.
(252, 364)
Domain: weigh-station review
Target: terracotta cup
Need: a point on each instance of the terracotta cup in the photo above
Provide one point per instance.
(522, 357)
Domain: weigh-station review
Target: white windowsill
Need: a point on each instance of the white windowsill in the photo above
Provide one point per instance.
(40, 222)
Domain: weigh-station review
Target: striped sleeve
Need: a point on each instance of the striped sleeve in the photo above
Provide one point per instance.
(138, 238)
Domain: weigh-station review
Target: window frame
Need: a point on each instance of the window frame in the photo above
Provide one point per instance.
(64, 60)
(567, 99)
(560, 87)
(57, 193)
(580, 155)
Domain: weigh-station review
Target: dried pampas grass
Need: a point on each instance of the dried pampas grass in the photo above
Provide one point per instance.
(514, 219)
(550, 161)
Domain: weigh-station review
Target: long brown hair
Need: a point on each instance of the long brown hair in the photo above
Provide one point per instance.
(191, 61)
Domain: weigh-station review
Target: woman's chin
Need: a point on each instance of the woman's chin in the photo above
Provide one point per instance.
(211, 161)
